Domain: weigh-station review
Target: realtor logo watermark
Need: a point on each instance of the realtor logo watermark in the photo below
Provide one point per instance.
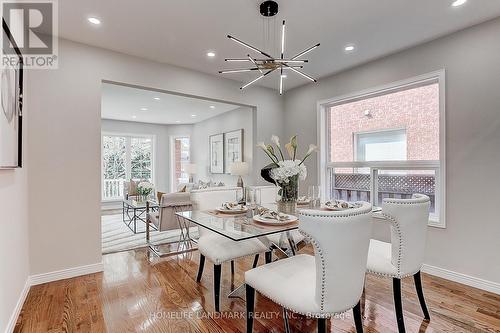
(33, 27)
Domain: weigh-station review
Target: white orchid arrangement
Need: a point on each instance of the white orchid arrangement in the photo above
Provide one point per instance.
(285, 172)
(145, 188)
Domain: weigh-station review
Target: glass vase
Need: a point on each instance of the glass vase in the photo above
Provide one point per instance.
(288, 195)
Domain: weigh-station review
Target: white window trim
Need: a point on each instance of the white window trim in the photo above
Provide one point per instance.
(172, 158)
(128, 166)
(324, 105)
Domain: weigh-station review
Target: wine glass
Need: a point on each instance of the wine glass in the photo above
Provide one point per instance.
(314, 195)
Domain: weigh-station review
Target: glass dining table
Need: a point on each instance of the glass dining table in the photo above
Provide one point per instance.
(239, 227)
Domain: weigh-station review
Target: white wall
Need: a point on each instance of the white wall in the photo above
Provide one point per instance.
(241, 118)
(470, 243)
(64, 142)
(14, 239)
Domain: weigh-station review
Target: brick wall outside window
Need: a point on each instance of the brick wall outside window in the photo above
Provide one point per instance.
(416, 110)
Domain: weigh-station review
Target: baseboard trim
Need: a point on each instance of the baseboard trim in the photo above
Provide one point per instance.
(19, 305)
(468, 280)
(66, 273)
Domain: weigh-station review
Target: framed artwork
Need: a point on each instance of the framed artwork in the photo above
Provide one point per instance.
(233, 152)
(11, 94)
(216, 150)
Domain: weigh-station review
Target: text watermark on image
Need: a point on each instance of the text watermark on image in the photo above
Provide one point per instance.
(33, 32)
(266, 315)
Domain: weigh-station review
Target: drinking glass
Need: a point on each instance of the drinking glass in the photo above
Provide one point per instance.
(314, 195)
(239, 195)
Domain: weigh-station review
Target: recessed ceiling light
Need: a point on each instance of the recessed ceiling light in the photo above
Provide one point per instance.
(211, 54)
(457, 3)
(283, 76)
(177, 121)
(212, 106)
(134, 117)
(193, 115)
(144, 109)
(349, 48)
(94, 20)
(156, 98)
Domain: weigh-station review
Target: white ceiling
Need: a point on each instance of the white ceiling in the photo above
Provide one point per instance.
(180, 32)
(125, 103)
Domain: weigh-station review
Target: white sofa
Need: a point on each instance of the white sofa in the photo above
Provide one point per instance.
(213, 197)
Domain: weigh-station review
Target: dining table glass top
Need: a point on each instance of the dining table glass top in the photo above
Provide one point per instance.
(235, 227)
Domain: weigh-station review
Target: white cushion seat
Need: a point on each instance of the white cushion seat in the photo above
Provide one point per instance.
(277, 279)
(380, 258)
(219, 249)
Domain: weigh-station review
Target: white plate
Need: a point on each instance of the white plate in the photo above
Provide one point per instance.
(290, 219)
(231, 211)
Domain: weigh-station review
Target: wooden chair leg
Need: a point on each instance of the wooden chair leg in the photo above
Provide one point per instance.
(217, 276)
(358, 320)
(200, 268)
(269, 257)
(420, 293)
(396, 289)
(250, 299)
(321, 325)
(232, 267)
(255, 261)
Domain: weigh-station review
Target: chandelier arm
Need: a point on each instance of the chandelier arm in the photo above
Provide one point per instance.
(257, 79)
(294, 61)
(305, 51)
(283, 39)
(281, 81)
(248, 46)
(302, 73)
(238, 70)
(236, 59)
(253, 61)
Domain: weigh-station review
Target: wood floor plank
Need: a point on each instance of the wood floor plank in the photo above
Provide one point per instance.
(140, 293)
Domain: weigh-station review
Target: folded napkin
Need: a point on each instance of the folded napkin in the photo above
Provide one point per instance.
(303, 200)
(272, 215)
(339, 204)
(233, 206)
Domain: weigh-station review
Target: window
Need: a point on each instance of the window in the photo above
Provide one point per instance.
(386, 143)
(125, 157)
(180, 158)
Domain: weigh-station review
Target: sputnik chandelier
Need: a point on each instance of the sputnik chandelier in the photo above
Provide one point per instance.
(268, 63)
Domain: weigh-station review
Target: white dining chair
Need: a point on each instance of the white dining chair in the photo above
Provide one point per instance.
(220, 249)
(323, 285)
(404, 255)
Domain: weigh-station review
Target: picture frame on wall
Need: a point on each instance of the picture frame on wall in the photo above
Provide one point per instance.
(216, 150)
(233, 148)
(11, 98)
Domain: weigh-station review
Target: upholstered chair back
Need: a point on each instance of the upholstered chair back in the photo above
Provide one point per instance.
(409, 218)
(213, 197)
(171, 203)
(341, 241)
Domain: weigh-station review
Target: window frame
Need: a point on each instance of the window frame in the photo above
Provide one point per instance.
(172, 157)
(128, 157)
(439, 166)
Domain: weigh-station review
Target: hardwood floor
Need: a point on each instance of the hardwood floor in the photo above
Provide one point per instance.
(134, 295)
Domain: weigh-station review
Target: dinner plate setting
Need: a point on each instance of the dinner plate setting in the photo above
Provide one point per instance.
(232, 208)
